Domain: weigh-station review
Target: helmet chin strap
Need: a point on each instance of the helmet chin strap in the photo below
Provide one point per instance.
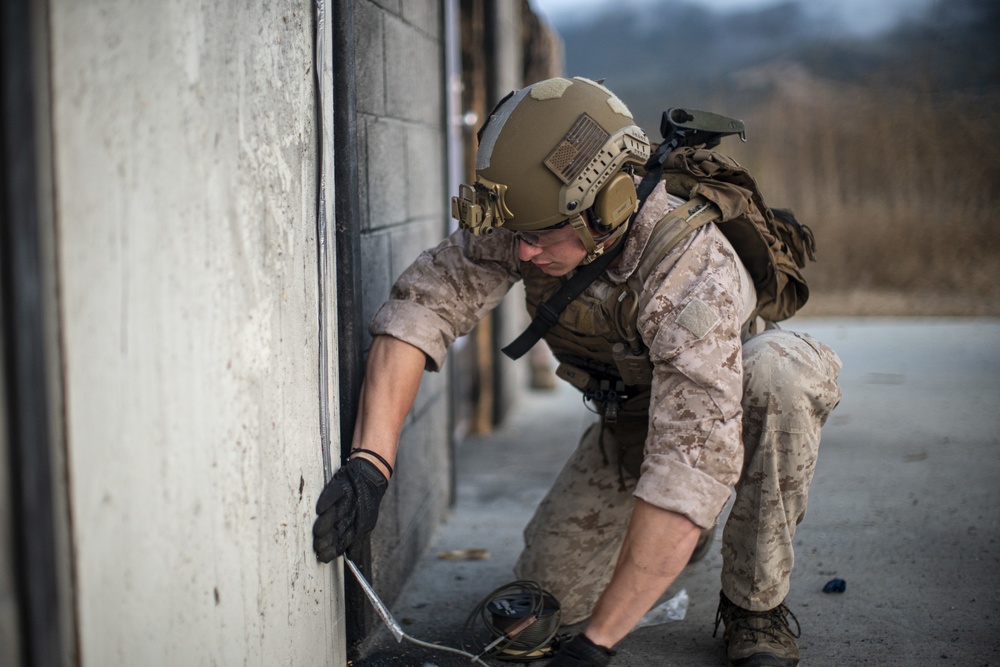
(595, 247)
(579, 223)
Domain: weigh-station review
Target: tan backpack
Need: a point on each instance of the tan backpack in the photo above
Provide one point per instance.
(771, 243)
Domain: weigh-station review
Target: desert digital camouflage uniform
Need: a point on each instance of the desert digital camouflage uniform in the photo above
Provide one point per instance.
(719, 412)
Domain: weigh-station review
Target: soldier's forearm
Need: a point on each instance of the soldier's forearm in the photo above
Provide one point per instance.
(392, 378)
(657, 546)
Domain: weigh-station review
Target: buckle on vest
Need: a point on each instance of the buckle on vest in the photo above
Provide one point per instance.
(611, 398)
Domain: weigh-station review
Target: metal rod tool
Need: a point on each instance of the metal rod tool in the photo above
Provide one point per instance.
(394, 627)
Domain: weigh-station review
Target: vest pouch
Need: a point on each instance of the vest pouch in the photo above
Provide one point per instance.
(577, 377)
(635, 369)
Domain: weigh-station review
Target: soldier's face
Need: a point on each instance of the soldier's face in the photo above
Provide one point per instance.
(555, 252)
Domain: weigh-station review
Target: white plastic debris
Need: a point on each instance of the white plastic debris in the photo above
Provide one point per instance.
(674, 609)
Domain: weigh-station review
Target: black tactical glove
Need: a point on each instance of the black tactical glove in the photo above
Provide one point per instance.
(347, 508)
(581, 652)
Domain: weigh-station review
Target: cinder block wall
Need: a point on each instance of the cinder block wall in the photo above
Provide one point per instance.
(400, 105)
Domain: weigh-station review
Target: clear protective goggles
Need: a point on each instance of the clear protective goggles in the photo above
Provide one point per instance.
(543, 238)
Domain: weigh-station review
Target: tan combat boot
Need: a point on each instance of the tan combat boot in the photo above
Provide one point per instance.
(758, 638)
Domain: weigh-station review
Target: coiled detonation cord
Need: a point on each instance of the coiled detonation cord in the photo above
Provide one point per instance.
(521, 620)
(395, 628)
(521, 617)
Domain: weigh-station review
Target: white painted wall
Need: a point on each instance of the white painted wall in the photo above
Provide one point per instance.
(185, 145)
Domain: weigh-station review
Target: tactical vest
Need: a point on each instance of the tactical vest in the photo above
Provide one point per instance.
(595, 338)
(584, 339)
(590, 331)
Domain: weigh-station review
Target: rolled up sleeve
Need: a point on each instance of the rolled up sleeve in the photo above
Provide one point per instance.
(446, 291)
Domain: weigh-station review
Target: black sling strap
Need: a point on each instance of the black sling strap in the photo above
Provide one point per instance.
(547, 314)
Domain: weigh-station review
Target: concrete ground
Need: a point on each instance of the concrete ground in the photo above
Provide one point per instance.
(905, 507)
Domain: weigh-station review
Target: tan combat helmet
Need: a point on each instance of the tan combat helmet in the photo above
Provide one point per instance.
(548, 153)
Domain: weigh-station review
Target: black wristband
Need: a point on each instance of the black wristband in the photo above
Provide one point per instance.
(378, 456)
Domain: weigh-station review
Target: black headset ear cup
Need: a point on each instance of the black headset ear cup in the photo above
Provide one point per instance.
(616, 201)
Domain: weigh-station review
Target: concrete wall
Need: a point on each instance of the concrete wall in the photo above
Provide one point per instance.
(10, 648)
(183, 226)
(404, 200)
(185, 145)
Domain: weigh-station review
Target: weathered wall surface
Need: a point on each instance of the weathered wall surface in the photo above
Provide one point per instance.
(400, 74)
(10, 649)
(185, 175)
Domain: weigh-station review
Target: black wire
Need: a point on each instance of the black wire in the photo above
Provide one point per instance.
(529, 644)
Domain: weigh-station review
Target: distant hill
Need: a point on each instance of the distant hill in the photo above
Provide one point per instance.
(677, 54)
(885, 146)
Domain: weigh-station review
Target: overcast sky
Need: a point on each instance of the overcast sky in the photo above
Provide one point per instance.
(861, 16)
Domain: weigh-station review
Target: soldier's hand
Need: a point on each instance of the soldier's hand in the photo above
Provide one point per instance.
(347, 508)
(581, 652)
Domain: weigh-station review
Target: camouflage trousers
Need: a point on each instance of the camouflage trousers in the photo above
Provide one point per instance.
(573, 540)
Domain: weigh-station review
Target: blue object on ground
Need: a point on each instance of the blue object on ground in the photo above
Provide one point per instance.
(836, 585)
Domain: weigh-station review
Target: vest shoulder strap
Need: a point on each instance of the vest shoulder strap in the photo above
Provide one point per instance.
(671, 230)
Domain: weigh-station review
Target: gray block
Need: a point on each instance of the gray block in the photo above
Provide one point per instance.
(387, 178)
(425, 169)
(370, 59)
(425, 15)
(394, 6)
(413, 74)
(377, 281)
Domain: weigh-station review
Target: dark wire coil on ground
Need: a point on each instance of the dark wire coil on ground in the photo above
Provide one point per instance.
(501, 609)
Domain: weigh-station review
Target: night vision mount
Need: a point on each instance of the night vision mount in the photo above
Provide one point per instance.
(690, 127)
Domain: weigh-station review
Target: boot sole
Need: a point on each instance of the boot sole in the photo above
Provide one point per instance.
(765, 660)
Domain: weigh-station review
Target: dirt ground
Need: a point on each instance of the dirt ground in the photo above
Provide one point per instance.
(881, 303)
